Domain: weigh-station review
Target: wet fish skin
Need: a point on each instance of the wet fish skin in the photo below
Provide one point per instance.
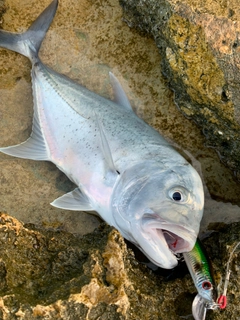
(123, 168)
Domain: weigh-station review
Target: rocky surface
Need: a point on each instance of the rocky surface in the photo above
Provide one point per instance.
(49, 274)
(199, 44)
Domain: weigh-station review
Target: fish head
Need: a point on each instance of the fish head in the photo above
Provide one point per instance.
(159, 209)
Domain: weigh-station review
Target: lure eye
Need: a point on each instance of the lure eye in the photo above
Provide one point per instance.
(206, 285)
(177, 196)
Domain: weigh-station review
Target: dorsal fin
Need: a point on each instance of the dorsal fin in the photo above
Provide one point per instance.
(120, 96)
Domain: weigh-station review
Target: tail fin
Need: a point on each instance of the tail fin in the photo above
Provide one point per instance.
(29, 42)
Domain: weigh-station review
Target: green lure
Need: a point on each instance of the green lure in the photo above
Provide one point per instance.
(200, 270)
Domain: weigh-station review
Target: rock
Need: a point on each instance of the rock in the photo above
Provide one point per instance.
(199, 44)
(48, 274)
(53, 274)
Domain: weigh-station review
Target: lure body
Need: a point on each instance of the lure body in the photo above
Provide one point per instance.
(199, 267)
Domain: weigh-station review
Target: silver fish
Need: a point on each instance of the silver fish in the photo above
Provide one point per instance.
(123, 168)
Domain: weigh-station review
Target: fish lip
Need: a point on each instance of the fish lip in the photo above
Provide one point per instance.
(153, 244)
(179, 238)
(156, 238)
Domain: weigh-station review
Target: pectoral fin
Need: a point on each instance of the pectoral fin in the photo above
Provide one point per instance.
(106, 148)
(74, 200)
(120, 96)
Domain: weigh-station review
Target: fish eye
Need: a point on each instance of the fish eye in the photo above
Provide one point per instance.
(206, 285)
(177, 196)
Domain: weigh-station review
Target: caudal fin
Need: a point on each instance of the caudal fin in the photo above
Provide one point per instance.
(29, 42)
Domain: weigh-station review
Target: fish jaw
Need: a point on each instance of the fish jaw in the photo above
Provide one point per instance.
(161, 241)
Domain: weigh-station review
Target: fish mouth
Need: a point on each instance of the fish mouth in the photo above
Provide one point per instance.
(162, 240)
(176, 243)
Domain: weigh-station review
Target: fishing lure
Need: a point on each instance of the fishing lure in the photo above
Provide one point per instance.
(199, 267)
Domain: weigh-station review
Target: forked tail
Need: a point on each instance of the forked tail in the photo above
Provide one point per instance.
(29, 42)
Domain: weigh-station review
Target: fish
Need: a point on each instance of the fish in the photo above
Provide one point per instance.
(123, 169)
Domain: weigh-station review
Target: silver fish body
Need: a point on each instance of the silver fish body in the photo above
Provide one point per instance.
(123, 168)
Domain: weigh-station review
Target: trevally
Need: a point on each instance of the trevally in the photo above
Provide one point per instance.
(123, 168)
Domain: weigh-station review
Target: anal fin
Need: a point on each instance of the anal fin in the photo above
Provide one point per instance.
(74, 200)
(33, 148)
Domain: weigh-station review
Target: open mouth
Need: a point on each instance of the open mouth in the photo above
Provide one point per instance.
(161, 241)
(178, 238)
(175, 243)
